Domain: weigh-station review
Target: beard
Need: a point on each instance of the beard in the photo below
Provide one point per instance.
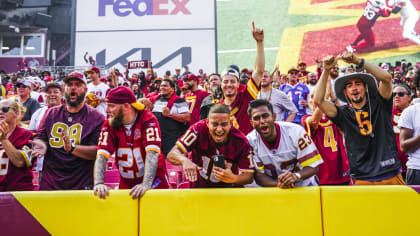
(190, 87)
(117, 121)
(312, 82)
(78, 101)
(215, 90)
(357, 101)
(334, 75)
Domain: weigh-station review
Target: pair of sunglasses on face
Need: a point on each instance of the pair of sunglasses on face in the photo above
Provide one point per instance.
(5, 109)
(21, 86)
(400, 94)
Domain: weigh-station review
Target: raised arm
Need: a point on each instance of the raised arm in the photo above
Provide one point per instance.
(258, 35)
(385, 85)
(319, 96)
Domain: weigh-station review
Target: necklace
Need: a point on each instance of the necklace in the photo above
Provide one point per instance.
(269, 95)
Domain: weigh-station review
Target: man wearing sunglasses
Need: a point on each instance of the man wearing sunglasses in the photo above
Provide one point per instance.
(30, 104)
(67, 138)
(15, 155)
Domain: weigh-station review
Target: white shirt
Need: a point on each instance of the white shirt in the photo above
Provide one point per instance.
(36, 118)
(410, 119)
(100, 92)
(293, 150)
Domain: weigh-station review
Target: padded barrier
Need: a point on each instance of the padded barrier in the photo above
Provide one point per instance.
(81, 213)
(252, 211)
(370, 210)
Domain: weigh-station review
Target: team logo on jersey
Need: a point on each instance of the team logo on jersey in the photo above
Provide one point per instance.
(137, 134)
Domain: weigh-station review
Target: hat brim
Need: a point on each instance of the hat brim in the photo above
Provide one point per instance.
(292, 70)
(137, 106)
(73, 77)
(340, 83)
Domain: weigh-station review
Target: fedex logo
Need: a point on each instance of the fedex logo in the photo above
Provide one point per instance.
(124, 8)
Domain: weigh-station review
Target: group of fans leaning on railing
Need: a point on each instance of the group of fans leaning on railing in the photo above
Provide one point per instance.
(339, 126)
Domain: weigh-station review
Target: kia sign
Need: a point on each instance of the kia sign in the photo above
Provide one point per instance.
(169, 33)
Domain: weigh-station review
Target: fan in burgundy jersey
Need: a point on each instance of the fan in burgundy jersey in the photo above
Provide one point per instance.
(207, 139)
(15, 155)
(194, 97)
(329, 141)
(67, 137)
(133, 134)
(237, 96)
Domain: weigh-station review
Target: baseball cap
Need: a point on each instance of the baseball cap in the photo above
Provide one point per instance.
(158, 79)
(94, 69)
(191, 77)
(48, 78)
(53, 85)
(231, 71)
(75, 75)
(302, 62)
(121, 95)
(340, 83)
(27, 83)
(184, 87)
(292, 69)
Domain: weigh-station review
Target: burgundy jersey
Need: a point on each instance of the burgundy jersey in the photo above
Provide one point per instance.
(130, 147)
(13, 178)
(237, 152)
(239, 107)
(396, 113)
(329, 142)
(194, 100)
(62, 170)
(370, 14)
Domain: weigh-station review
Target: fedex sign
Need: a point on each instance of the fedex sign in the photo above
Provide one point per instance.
(124, 8)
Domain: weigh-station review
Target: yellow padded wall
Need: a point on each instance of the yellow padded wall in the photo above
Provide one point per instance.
(81, 213)
(370, 210)
(241, 211)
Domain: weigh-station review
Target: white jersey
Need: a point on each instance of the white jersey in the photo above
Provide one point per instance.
(409, 119)
(100, 92)
(407, 8)
(293, 150)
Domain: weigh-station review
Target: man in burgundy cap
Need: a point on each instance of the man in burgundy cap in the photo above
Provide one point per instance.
(67, 137)
(133, 134)
(194, 97)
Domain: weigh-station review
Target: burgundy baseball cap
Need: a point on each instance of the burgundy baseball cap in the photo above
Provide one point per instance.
(191, 77)
(75, 75)
(94, 69)
(121, 95)
(53, 85)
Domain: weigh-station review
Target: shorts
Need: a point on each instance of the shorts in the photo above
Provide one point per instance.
(396, 180)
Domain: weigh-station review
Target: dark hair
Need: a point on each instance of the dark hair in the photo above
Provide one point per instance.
(416, 80)
(404, 86)
(257, 103)
(216, 74)
(220, 109)
(171, 84)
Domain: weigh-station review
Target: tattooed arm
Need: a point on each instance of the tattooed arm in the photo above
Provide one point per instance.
(100, 188)
(150, 167)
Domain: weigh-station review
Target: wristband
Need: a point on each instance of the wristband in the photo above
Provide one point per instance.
(362, 63)
(73, 146)
(298, 176)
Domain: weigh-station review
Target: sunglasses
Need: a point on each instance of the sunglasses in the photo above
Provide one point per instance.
(6, 109)
(293, 73)
(400, 94)
(21, 86)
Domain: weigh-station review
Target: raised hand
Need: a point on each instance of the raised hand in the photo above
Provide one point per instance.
(257, 33)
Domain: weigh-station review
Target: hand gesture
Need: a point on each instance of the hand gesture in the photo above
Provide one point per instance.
(66, 141)
(224, 175)
(39, 148)
(101, 190)
(190, 170)
(329, 62)
(166, 112)
(257, 33)
(4, 130)
(148, 105)
(349, 57)
(275, 73)
(138, 190)
(286, 180)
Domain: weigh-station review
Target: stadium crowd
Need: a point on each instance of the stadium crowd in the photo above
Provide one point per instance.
(354, 124)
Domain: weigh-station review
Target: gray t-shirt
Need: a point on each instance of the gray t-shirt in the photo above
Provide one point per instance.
(31, 106)
(281, 103)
